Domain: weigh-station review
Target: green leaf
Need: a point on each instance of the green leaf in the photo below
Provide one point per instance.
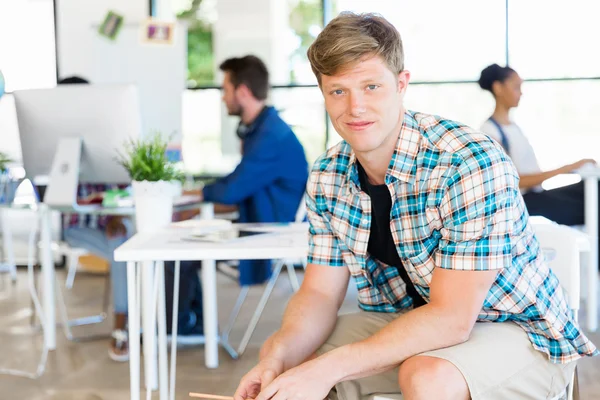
(147, 160)
(4, 161)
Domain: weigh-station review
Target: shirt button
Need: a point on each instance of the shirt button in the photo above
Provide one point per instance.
(365, 221)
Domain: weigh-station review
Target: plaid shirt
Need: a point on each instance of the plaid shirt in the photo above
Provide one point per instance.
(456, 205)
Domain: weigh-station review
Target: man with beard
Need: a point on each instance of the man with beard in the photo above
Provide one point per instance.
(269, 182)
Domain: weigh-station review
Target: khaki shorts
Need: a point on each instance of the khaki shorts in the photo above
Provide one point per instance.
(498, 362)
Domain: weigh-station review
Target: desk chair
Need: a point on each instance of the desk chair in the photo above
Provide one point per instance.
(72, 256)
(277, 267)
(559, 244)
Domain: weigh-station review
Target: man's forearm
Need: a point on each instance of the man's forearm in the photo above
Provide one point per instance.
(423, 329)
(308, 321)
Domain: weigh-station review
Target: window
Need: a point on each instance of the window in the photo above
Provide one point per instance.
(306, 22)
(302, 109)
(445, 50)
(201, 143)
(549, 40)
(559, 120)
(443, 40)
(200, 16)
(462, 102)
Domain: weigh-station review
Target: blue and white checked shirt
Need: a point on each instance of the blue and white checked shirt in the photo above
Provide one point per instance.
(455, 205)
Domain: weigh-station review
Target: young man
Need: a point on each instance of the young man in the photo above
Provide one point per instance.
(269, 183)
(425, 214)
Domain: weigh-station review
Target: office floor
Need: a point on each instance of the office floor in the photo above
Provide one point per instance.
(83, 371)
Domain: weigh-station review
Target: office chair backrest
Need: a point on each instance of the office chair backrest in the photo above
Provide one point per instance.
(560, 247)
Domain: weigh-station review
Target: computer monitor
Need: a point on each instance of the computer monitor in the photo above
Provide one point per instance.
(103, 116)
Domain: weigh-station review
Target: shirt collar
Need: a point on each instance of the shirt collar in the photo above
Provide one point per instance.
(403, 163)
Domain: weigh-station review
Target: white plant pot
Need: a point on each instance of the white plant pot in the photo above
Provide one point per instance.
(153, 204)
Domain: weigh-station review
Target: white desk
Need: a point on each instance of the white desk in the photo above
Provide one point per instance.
(49, 278)
(591, 175)
(168, 245)
(47, 262)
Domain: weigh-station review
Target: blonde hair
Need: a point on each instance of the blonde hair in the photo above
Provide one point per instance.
(350, 37)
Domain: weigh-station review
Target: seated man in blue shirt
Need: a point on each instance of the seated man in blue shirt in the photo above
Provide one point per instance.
(268, 184)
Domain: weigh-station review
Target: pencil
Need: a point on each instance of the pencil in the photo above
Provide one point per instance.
(210, 396)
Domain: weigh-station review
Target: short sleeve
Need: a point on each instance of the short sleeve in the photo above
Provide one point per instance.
(478, 211)
(324, 248)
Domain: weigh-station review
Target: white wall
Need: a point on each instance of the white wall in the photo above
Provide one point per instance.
(77, 26)
(159, 71)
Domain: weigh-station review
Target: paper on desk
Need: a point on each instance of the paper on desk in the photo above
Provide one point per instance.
(276, 227)
(204, 226)
(186, 199)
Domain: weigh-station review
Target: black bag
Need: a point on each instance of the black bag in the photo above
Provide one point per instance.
(190, 321)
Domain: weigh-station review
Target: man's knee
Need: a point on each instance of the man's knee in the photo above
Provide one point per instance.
(422, 377)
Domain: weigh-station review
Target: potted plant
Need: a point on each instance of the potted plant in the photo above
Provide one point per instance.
(155, 181)
(4, 161)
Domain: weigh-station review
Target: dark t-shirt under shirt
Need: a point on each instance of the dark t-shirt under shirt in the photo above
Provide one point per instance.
(381, 243)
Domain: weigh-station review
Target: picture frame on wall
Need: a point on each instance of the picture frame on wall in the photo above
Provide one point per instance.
(158, 32)
(111, 25)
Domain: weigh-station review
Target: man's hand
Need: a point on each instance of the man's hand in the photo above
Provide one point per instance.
(258, 378)
(219, 208)
(194, 192)
(309, 381)
(308, 321)
(95, 198)
(115, 227)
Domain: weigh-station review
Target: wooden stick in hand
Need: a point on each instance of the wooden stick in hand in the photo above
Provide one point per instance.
(209, 396)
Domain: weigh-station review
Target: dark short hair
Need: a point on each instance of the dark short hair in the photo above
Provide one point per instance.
(72, 79)
(494, 73)
(250, 71)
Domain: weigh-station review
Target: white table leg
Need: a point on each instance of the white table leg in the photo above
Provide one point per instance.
(207, 211)
(211, 318)
(163, 360)
(48, 278)
(149, 326)
(209, 298)
(174, 327)
(134, 329)
(591, 224)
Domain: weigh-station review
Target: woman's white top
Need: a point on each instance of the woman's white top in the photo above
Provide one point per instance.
(520, 150)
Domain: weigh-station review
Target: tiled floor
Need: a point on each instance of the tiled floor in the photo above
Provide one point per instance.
(83, 371)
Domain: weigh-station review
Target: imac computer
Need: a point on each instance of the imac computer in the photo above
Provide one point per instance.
(72, 134)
